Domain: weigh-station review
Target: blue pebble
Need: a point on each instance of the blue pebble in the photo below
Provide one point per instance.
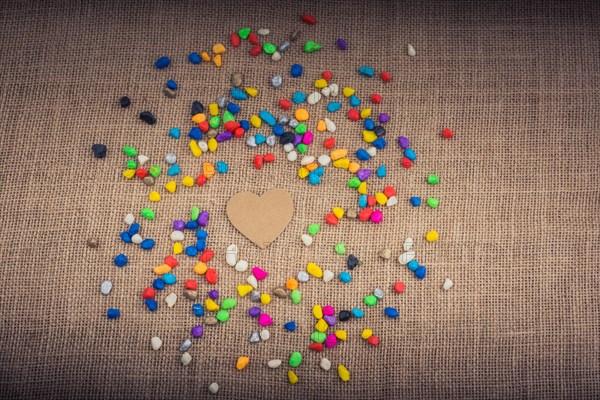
(147, 244)
(319, 170)
(420, 272)
(290, 326)
(194, 58)
(299, 97)
(362, 155)
(162, 62)
(238, 94)
(133, 229)
(379, 143)
(191, 225)
(313, 178)
(151, 304)
(195, 133)
(201, 244)
(259, 138)
(358, 313)
(169, 278)
(366, 71)
(233, 108)
(278, 130)
(267, 117)
(362, 201)
(222, 167)
(245, 124)
(158, 284)
(412, 265)
(381, 171)
(369, 124)
(174, 170)
(198, 310)
(415, 201)
(125, 237)
(354, 101)
(345, 276)
(334, 106)
(171, 84)
(113, 313)
(191, 251)
(175, 133)
(391, 312)
(120, 260)
(410, 154)
(296, 70)
(201, 234)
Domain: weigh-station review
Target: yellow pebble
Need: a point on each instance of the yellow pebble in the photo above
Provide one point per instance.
(129, 173)
(365, 113)
(338, 153)
(338, 212)
(321, 126)
(362, 188)
(243, 290)
(341, 334)
(205, 56)
(321, 325)
(348, 91)
(366, 333)
(213, 109)
(314, 270)
(255, 121)
(252, 92)
(187, 181)
(196, 150)
(198, 118)
(432, 236)
(218, 48)
(211, 305)
(317, 311)
(301, 114)
(292, 377)
(381, 198)
(171, 186)
(162, 269)
(200, 268)
(369, 136)
(342, 163)
(154, 196)
(321, 83)
(218, 60)
(242, 362)
(291, 284)
(208, 169)
(343, 373)
(312, 166)
(265, 298)
(177, 248)
(303, 172)
(354, 167)
(212, 144)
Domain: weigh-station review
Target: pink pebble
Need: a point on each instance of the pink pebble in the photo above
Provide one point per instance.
(307, 138)
(328, 310)
(265, 320)
(330, 341)
(259, 274)
(377, 216)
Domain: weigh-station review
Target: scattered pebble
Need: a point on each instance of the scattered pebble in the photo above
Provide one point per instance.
(411, 50)
(325, 364)
(186, 358)
(92, 243)
(213, 387)
(99, 150)
(106, 287)
(156, 343)
(274, 363)
(448, 283)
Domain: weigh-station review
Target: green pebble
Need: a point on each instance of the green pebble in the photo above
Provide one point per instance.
(311, 46)
(130, 151)
(296, 296)
(370, 300)
(313, 229)
(433, 202)
(295, 359)
(228, 303)
(269, 48)
(433, 179)
(154, 171)
(318, 337)
(340, 248)
(244, 32)
(131, 164)
(354, 182)
(222, 315)
(147, 213)
(301, 129)
(228, 116)
(214, 122)
(195, 213)
(302, 148)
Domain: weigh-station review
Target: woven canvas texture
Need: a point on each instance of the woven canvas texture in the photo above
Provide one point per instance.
(518, 82)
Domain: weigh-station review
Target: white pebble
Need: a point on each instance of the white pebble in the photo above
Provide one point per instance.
(326, 91)
(303, 276)
(252, 281)
(213, 387)
(448, 284)
(276, 56)
(129, 219)
(292, 155)
(251, 141)
(407, 257)
(171, 299)
(314, 98)
(276, 81)
(372, 151)
(288, 147)
(334, 89)
(325, 364)
(324, 160)
(177, 236)
(186, 358)
(270, 141)
(411, 50)
(408, 244)
(106, 287)
(307, 160)
(265, 334)
(330, 125)
(274, 363)
(241, 266)
(156, 343)
(171, 158)
(262, 32)
(306, 239)
(142, 159)
(185, 345)
(392, 201)
(137, 239)
(203, 145)
(327, 275)
(293, 123)
(232, 255)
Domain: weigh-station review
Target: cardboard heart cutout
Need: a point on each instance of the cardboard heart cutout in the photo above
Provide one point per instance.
(261, 219)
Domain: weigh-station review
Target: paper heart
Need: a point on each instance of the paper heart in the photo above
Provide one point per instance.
(261, 219)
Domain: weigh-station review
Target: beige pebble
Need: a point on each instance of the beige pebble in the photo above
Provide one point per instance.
(211, 321)
(263, 32)
(276, 56)
(237, 79)
(190, 294)
(385, 254)
(351, 213)
(274, 363)
(91, 242)
(314, 98)
(306, 239)
(265, 334)
(148, 180)
(408, 244)
(280, 292)
(327, 275)
(171, 299)
(411, 50)
(448, 283)
(186, 358)
(170, 93)
(142, 159)
(325, 364)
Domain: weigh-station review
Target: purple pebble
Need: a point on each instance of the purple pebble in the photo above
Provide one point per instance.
(203, 218)
(221, 137)
(404, 142)
(363, 174)
(197, 331)
(297, 140)
(330, 319)
(341, 43)
(254, 312)
(383, 118)
(178, 225)
(213, 294)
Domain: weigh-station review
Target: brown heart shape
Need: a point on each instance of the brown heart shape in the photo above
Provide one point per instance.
(261, 219)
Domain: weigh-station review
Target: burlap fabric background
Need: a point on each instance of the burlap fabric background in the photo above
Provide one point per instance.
(518, 83)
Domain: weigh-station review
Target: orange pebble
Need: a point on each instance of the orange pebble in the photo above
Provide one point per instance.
(291, 284)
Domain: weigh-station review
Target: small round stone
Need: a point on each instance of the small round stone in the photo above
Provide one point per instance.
(254, 337)
(124, 101)
(156, 343)
(171, 158)
(344, 315)
(386, 254)
(295, 359)
(185, 345)
(303, 276)
(276, 81)
(237, 79)
(99, 150)
(280, 292)
(378, 293)
(91, 242)
(106, 287)
(352, 262)
(148, 180)
(213, 387)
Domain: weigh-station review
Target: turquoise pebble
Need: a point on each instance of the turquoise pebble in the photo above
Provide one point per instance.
(381, 171)
(174, 170)
(169, 278)
(313, 178)
(175, 133)
(362, 201)
(345, 277)
(299, 97)
(267, 117)
(410, 154)
(238, 94)
(358, 313)
(222, 167)
(354, 101)
(319, 171)
(113, 313)
(413, 265)
(366, 71)
(391, 312)
(333, 106)
(259, 138)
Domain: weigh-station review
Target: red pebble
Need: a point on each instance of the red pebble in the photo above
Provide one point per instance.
(148, 293)
(207, 255)
(285, 104)
(239, 132)
(258, 161)
(399, 287)
(309, 19)
(141, 173)
(204, 127)
(269, 157)
(406, 163)
(373, 340)
(447, 133)
(353, 115)
(327, 75)
(331, 219)
(252, 38)
(371, 200)
(235, 39)
(365, 214)
(171, 261)
(256, 50)
(231, 126)
(318, 347)
(329, 143)
(376, 98)
(211, 276)
(201, 180)
(389, 191)
(385, 76)
(190, 284)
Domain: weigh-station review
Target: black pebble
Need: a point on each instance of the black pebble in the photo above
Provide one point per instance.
(99, 150)
(125, 102)
(379, 131)
(344, 315)
(148, 117)
(197, 108)
(352, 261)
(287, 137)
